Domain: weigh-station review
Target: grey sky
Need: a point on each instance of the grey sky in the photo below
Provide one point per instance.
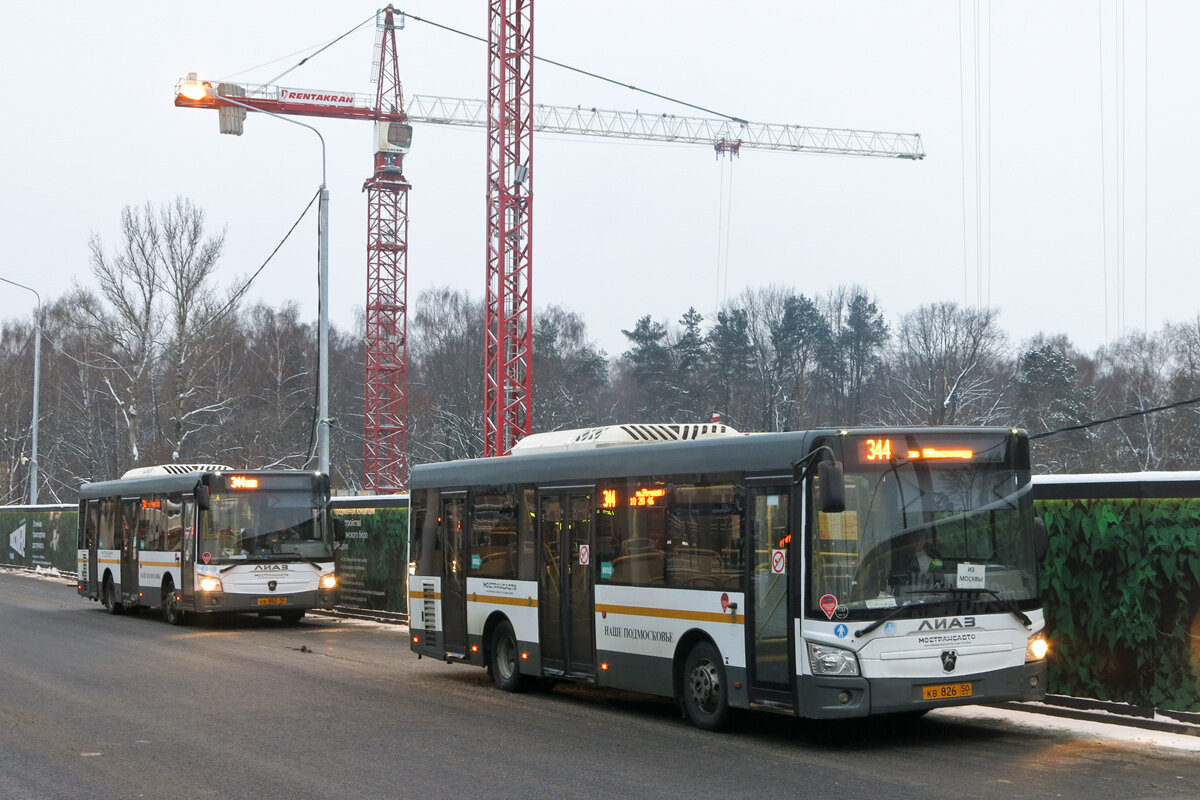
(625, 229)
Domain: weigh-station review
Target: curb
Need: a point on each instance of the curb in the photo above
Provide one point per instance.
(1123, 714)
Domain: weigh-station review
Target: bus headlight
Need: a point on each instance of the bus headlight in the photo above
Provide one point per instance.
(208, 583)
(329, 581)
(826, 660)
(1037, 648)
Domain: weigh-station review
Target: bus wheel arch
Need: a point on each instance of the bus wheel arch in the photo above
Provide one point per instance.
(701, 682)
(502, 653)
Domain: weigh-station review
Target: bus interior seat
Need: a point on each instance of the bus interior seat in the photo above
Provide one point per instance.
(640, 569)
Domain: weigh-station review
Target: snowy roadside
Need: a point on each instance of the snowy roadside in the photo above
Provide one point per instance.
(1114, 727)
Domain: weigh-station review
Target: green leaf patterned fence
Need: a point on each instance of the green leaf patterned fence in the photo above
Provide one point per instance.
(1121, 586)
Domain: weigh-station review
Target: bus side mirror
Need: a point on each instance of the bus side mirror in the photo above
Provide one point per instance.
(1041, 538)
(833, 487)
(201, 494)
(339, 529)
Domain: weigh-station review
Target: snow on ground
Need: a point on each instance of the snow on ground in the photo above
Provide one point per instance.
(1112, 731)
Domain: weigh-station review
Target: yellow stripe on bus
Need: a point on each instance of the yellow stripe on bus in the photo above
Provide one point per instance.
(425, 595)
(672, 613)
(528, 602)
(159, 563)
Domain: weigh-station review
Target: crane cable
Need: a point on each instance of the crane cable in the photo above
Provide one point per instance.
(582, 71)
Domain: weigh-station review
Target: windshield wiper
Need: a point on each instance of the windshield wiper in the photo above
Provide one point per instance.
(1008, 605)
(892, 614)
(312, 561)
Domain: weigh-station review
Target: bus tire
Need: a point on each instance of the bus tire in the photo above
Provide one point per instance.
(108, 596)
(172, 613)
(503, 658)
(705, 692)
(291, 617)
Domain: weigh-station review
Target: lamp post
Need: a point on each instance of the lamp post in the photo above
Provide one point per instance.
(37, 372)
(197, 90)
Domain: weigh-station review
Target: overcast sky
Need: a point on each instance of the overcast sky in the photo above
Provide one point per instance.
(1057, 237)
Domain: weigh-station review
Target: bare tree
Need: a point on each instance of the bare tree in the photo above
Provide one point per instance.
(945, 362)
(445, 398)
(187, 261)
(130, 323)
(159, 301)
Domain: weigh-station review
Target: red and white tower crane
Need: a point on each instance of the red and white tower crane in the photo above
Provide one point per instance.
(508, 319)
(384, 461)
(511, 118)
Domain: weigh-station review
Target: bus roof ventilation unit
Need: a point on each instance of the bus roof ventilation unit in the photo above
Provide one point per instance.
(174, 469)
(611, 435)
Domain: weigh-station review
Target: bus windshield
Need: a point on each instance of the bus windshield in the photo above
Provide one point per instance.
(262, 525)
(918, 532)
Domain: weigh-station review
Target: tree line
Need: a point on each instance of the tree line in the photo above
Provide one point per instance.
(158, 361)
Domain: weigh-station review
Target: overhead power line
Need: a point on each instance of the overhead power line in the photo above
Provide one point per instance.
(1141, 412)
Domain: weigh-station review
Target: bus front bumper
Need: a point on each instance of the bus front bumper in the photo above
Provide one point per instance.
(838, 698)
(218, 602)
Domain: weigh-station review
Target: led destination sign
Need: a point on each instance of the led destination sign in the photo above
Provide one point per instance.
(884, 449)
(640, 498)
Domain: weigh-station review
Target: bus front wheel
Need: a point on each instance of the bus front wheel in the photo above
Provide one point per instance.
(503, 663)
(171, 611)
(705, 694)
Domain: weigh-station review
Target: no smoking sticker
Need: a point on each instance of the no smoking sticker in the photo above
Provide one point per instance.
(778, 562)
(585, 554)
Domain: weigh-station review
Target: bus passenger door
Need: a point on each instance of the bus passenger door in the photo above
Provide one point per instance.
(187, 566)
(454, 589)
(770, 639)
(565, 584)
(88, 544)
(127, 529)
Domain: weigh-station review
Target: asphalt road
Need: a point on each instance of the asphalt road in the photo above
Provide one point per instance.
(93, 705)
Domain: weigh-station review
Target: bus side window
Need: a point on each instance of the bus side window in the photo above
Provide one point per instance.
(173, 514)
(106, 525)
(526, 537)
(425, 531)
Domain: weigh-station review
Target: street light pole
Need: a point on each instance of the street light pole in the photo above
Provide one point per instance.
(37, 373)
(322, 275)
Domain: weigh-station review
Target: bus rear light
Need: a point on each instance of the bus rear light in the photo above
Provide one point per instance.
(604, 666)
(474, 648)
(416, 640)
(524, 656)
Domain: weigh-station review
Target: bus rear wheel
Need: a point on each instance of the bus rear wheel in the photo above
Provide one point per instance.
(503, 659)
(705, 693)
(108, 596)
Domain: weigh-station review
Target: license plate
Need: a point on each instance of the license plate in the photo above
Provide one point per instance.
(272, 601)
(947, 691)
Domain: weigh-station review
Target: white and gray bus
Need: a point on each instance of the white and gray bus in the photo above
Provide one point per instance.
(206, 539)
(825, 574)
